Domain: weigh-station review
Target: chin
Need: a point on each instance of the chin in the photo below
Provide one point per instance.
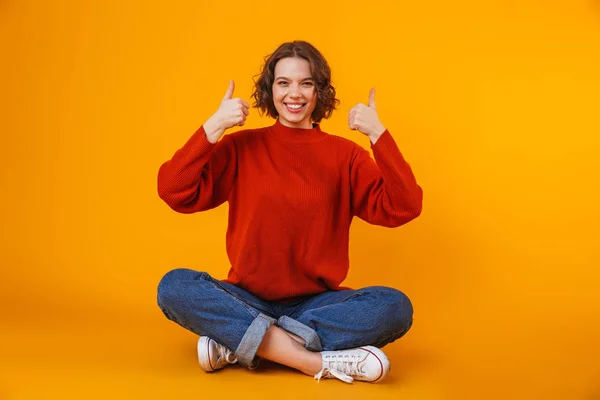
(295, 118)
(297, 121)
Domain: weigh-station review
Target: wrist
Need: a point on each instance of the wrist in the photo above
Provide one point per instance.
(376, 134)
(212, 129)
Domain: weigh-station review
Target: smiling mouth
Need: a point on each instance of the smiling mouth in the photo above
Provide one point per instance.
(294, 108)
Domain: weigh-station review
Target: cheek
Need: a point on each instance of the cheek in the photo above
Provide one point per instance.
(313, 98)
(311, 95)
(276, 94)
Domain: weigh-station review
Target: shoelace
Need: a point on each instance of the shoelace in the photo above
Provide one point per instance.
(230, 357)
(341, 366)
(226, 354)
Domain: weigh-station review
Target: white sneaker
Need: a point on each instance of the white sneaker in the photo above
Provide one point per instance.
(213, 356)
(367, 364)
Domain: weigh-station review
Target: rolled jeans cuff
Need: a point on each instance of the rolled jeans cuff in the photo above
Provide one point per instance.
(311, 338)
(246, 350)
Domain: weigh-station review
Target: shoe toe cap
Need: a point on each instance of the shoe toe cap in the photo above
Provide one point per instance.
(376, 364)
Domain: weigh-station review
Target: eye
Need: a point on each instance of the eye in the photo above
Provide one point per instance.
(282, 82)
(308, 84)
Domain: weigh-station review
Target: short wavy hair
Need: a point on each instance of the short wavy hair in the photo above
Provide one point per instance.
(319, 69)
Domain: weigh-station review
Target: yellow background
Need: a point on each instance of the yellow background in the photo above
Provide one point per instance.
(495, 104)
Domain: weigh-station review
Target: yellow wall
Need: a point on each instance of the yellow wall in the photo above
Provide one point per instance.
(494, 104)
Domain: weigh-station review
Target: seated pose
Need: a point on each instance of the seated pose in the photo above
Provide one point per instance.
(293, 190)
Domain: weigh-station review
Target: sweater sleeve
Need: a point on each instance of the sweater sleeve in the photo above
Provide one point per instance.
(200, 175)
(384, 191)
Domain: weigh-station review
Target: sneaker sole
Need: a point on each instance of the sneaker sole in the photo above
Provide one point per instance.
(204, 354)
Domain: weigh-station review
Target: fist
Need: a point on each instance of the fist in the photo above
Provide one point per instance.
(232, 111)
(364, 118)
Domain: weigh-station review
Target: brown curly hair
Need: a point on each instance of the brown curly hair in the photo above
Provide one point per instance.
(319, 69)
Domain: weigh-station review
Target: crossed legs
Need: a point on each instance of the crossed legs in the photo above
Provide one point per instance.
(246, 324)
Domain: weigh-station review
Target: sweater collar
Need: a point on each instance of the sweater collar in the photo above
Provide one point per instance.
(297, 135)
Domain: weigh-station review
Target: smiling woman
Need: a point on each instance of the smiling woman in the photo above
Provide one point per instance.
(295, 85)
(291, 204)
(294, 94)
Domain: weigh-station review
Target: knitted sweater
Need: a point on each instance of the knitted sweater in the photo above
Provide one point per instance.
(292, 195)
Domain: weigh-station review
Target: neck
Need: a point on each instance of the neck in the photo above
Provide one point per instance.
(306, 124)
(296, 134)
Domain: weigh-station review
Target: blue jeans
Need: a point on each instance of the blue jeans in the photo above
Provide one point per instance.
(233, 317)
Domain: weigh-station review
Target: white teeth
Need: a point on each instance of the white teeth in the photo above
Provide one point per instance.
(294, 106)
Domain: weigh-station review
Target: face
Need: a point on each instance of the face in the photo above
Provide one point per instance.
(294, 92)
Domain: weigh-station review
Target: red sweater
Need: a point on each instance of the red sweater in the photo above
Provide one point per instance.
(292, 195)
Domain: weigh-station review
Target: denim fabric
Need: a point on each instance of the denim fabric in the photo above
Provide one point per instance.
(232, 316)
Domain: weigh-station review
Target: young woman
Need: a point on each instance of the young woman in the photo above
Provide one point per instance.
(292, 191)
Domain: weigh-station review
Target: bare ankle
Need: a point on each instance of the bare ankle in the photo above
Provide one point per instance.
(313, 365)
(282, 348)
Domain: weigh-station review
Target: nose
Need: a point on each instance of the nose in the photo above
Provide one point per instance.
(294, 91)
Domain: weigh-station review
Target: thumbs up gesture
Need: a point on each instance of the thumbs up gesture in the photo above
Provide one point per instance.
(365, 119)
(231, 112)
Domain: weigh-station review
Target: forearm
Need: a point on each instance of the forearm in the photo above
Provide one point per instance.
(399, 180)
(184, 180)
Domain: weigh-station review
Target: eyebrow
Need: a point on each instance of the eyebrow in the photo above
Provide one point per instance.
(301, 80)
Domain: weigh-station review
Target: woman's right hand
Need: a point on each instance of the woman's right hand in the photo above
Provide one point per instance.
(231, 112)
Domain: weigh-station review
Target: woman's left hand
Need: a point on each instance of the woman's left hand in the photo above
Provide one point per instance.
(365, 119)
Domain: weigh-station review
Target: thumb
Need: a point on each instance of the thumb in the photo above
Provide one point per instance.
(372, 98)
(230, 90)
